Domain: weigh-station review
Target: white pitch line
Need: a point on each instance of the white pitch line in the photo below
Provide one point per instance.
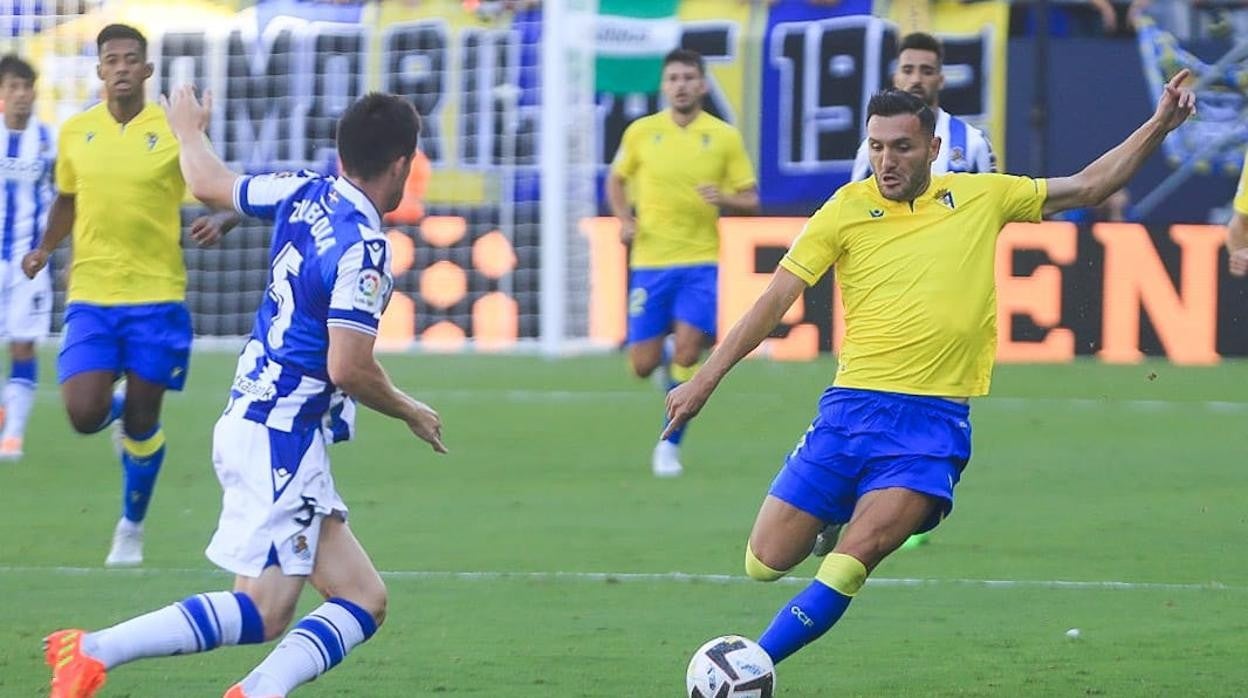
(673, 577)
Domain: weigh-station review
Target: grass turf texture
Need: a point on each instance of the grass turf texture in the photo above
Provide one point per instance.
(1081, 472)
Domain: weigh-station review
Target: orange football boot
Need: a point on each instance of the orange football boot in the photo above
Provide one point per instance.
(236, 691)
(74, 674)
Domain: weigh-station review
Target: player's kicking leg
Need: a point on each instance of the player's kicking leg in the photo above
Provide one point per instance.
(881, 521)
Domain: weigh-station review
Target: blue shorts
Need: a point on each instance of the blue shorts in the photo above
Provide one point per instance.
(151, 340)
(659, 297)
(863, 440)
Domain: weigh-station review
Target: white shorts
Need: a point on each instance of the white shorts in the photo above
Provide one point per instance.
(25, 304)
(276, 489)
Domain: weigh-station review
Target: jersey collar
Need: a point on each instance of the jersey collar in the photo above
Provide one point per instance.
(361, 202)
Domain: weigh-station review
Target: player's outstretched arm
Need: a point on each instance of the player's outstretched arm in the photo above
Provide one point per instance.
(1108, 173)
(354, 369)
(60, 223)
(206, 176)
(685, 401)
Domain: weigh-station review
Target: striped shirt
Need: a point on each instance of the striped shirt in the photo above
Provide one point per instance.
(963, 148)
(26, 171)
(330, 267)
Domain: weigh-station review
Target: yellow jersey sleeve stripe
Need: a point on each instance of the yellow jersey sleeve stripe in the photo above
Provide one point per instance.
(801, 272)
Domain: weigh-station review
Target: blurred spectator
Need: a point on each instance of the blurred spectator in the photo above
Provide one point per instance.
(1194, 19)
(1081, 18)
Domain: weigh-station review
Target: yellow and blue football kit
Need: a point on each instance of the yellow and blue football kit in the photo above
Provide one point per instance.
(676, 249)
(918, 281)
(127, 287)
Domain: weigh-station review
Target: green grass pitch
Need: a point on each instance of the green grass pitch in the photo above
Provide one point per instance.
(1084, 473)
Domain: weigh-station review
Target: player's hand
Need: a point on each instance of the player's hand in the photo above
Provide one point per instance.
(425, 423)
(186, 114)
(684, 402)
(711, 194)
(1239, 262)
(1177, 102)
(628, 231)
(33, 262)
(207, 231)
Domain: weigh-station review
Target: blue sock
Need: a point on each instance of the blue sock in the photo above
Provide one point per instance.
(115, 410)
(141, 457)
(803, 620)
(677, 375)
(816, 609)
(24, 370)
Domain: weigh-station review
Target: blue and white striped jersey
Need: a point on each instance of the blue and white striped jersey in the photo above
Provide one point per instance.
(963, 148)
(329, 267)
(26, 171)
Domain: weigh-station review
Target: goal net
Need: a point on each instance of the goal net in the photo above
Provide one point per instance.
(488, 252)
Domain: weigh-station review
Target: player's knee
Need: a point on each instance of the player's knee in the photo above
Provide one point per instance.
(372, 598)
(275, 619)
(140, 421)
(642, 366)
(87, 417)
(687, 355)
(758, 569)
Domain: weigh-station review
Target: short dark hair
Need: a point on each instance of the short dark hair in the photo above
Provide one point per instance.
(120, 31)
(375, 131)
(922, 41)
(685, 56)
(15, 66)
(894, 102)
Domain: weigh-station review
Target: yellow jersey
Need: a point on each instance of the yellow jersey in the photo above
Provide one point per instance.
(128, 193)
(917, 279)
(1241, 194)
(665, 164)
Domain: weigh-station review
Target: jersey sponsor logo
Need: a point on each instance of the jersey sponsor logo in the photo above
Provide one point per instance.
(876, 213)
(262, 392)
(90, 136)
(281, 477)
(22, 169)
(152, 139)
(369, 292)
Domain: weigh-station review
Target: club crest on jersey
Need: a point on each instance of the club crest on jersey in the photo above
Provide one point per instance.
(957, 155)
(945, 197)
(152, 138)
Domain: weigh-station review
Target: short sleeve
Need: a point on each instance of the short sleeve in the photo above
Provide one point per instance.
(1241, 194)
(627, 159)
(1021, 198)
(66, 178)
(259, 196)
(739, 170)
(818, 246)
(361, 285)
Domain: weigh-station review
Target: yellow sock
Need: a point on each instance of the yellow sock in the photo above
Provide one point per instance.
(759, 571)
(842, 572)
(682, 374)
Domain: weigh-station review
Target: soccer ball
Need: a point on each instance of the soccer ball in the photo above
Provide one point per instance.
(730, 667)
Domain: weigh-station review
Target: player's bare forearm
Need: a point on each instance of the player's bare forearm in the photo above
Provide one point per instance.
(206, 176)
(60, 222)
(742, 203)
(1107, 174)
(755, 325)
(617, 198)
(1237, 232)
(354, 370)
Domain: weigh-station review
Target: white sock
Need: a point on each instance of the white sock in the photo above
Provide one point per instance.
(197, 624)
(19, 397)
(316, 645)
